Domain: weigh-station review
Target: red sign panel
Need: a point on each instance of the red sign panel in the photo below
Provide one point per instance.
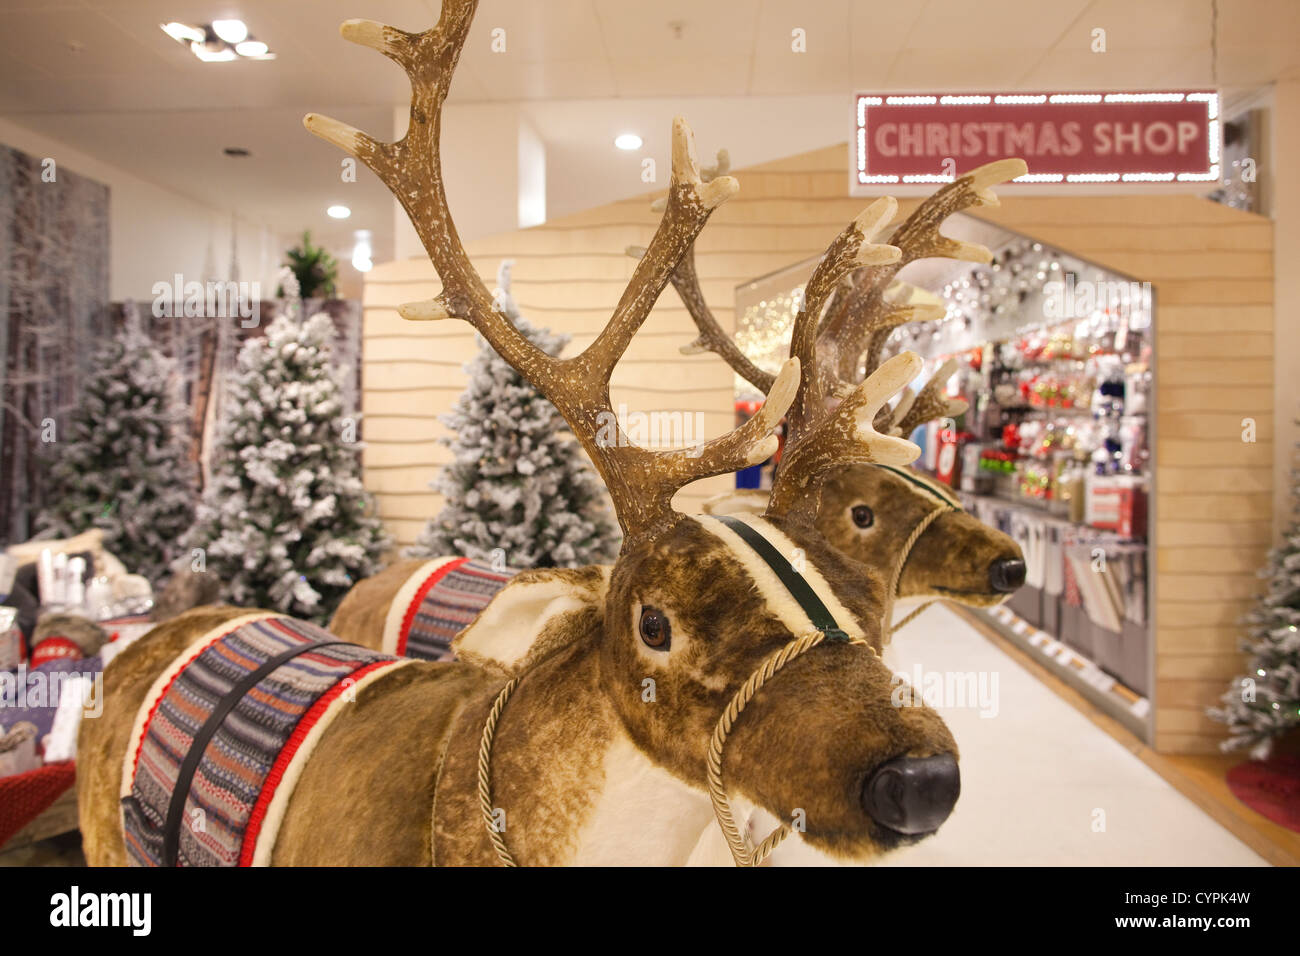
(1064, 137)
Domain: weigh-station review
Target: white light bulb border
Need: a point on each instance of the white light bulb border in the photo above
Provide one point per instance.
(863, 177)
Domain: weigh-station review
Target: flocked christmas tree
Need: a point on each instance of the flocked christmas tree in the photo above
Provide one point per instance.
(1264, 704)
(517, 485)
(122, 462)
(285, 523)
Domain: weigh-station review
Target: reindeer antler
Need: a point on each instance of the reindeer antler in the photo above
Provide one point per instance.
(853, 248)
(862, 319)
(641, 482)
(847, 435)
(687, 283)
(929, 404)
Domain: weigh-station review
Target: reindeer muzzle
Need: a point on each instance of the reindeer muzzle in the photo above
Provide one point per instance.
(1006, 574)
(912, 795)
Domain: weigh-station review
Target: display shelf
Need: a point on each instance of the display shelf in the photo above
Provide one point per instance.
(1126, 705)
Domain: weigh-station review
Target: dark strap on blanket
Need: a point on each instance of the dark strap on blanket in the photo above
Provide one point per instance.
(227, 703)
(794, 582)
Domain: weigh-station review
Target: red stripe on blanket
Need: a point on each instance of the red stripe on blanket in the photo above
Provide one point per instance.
(414, 606)
(153, 709)
(277, 771)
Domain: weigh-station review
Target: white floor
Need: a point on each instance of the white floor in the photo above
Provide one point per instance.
(1040, 784)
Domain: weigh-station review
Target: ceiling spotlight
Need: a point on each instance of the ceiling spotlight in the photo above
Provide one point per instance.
(628, 141)
(183, 32)
(212, 53)
(218, 42)
(232, 31)
(361, 252)
(338, 212)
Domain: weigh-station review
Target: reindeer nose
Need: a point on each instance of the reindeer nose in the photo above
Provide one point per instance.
(1006, 574)
(912, 794)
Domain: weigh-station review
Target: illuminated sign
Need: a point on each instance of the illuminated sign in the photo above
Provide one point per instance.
(1064, 137)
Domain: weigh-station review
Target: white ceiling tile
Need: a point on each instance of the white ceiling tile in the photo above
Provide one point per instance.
(1147, 25)
(511, 79)
(716, 28)
(827, 46)
(992, 24)
(880, 28)
(74, 42)
(695, 76)
(977, 69)
(1145, 70)
(535, 32)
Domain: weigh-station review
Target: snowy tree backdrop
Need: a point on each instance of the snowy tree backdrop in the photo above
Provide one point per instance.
(122, 460)
(53, 315)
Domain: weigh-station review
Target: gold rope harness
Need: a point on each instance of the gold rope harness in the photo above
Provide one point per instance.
(888, 628)
(741, 852)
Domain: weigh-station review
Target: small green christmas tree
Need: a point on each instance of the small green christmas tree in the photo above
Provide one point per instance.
(315, 269)
(122, 463)
(1264, 704)
(286, 523)
(516, 485)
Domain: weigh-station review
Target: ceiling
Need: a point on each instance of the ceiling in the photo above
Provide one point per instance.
(101, 76)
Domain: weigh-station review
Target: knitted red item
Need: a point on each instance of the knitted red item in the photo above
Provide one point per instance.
(54, 648)
(25, 796)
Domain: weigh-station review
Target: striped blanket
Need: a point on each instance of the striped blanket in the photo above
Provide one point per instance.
(437, 602)
(224, 733)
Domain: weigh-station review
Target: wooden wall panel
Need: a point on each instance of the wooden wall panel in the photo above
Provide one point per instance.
(1210, 266)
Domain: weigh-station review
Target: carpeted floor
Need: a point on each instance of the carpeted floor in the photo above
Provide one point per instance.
(1042, 785)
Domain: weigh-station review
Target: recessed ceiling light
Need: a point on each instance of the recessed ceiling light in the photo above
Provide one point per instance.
(232, 31)
(628, 141)
(338, 212)
(251, 48)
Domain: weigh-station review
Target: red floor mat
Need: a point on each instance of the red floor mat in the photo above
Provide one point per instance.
(1270, 787)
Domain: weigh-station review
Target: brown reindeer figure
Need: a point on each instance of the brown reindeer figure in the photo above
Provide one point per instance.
(595, 715)
(880, 515)
(883, 516)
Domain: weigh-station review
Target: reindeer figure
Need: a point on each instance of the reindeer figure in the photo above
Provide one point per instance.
(880, 515)
(596, 715)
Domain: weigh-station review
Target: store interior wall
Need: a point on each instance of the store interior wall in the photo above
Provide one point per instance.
(155, 232)
(1286, 254)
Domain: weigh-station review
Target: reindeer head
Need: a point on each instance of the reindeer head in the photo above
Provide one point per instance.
(882, 517)
(870, 512)
(699, 605)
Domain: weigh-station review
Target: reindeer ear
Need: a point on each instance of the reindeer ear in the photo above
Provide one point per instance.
(538, 612)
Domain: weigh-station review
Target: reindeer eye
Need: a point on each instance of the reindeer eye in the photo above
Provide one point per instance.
(863, 516)
(656, 632)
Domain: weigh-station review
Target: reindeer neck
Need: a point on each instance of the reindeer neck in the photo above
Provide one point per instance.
(575, 789)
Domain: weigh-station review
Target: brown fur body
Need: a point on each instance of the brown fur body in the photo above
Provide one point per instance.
(393, 779)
